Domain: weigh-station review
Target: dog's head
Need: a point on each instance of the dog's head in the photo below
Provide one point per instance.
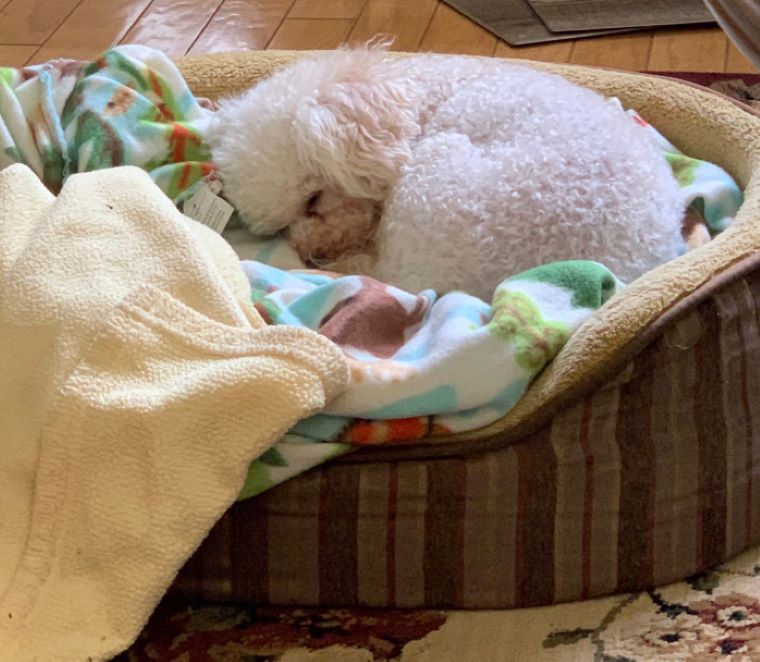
(320, 141)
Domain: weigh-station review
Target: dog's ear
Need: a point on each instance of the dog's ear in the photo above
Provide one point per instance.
(355, 129)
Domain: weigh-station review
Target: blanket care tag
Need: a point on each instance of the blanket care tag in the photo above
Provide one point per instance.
(208, 208)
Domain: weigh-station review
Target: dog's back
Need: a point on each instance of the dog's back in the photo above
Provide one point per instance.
(516, 168)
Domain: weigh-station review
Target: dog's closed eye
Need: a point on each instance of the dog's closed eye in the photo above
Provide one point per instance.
(311, 204)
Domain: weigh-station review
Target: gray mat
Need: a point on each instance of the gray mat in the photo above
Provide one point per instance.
(584, 15)
(515, 21)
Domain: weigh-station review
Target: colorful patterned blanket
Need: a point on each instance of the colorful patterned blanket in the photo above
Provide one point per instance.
(128, 107)
(421, 364)
(426, 366)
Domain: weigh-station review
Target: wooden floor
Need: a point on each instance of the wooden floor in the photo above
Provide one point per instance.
(36, 30)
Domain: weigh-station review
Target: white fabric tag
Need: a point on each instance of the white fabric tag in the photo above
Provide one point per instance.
(208, 208)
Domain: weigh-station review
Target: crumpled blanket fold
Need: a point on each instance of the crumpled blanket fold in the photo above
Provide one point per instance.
(137, 384)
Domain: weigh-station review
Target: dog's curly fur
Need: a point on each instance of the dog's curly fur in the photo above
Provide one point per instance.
(444, 172)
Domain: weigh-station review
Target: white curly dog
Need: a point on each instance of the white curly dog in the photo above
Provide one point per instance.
(444, 172)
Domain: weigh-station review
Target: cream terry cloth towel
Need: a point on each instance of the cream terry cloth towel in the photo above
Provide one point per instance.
(137, 382)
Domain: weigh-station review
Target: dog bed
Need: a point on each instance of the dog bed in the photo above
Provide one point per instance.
(418, 360)
(631, 461)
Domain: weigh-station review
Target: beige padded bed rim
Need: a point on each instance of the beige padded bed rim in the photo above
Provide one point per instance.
(701, 123)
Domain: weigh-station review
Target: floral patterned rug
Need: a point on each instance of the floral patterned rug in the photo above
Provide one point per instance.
(713, 616)
(709, 617)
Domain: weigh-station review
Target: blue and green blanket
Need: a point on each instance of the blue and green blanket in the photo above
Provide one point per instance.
(421, 364)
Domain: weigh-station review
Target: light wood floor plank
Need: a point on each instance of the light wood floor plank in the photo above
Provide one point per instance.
(703, 49)
(736, 63)
(92, 27)
(327, 9)
(15, 56)
(84, 28)
(186, 17)
(311, 33)
(242, 25)
(627, 51)
(404, 19)
(557, 52)
(451, 32)
(32, 21)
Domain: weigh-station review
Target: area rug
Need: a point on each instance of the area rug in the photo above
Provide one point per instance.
(704, 618)
(712, 616)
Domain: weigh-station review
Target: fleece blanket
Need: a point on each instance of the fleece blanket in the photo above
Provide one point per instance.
(128, 107)
(421, 365)
(424, 365)
(137, 383)
(418, 361)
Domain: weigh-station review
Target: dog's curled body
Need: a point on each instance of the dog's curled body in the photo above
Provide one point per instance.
(445, 172)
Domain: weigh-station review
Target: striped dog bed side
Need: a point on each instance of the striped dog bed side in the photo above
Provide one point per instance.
(631, 461)
(648, 479)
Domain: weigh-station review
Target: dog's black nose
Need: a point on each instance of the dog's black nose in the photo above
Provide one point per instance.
(311, 204)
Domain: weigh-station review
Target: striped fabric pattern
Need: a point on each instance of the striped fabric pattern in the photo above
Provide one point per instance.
(646, 480)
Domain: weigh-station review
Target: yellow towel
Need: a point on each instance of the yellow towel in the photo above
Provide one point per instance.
(136, 384)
